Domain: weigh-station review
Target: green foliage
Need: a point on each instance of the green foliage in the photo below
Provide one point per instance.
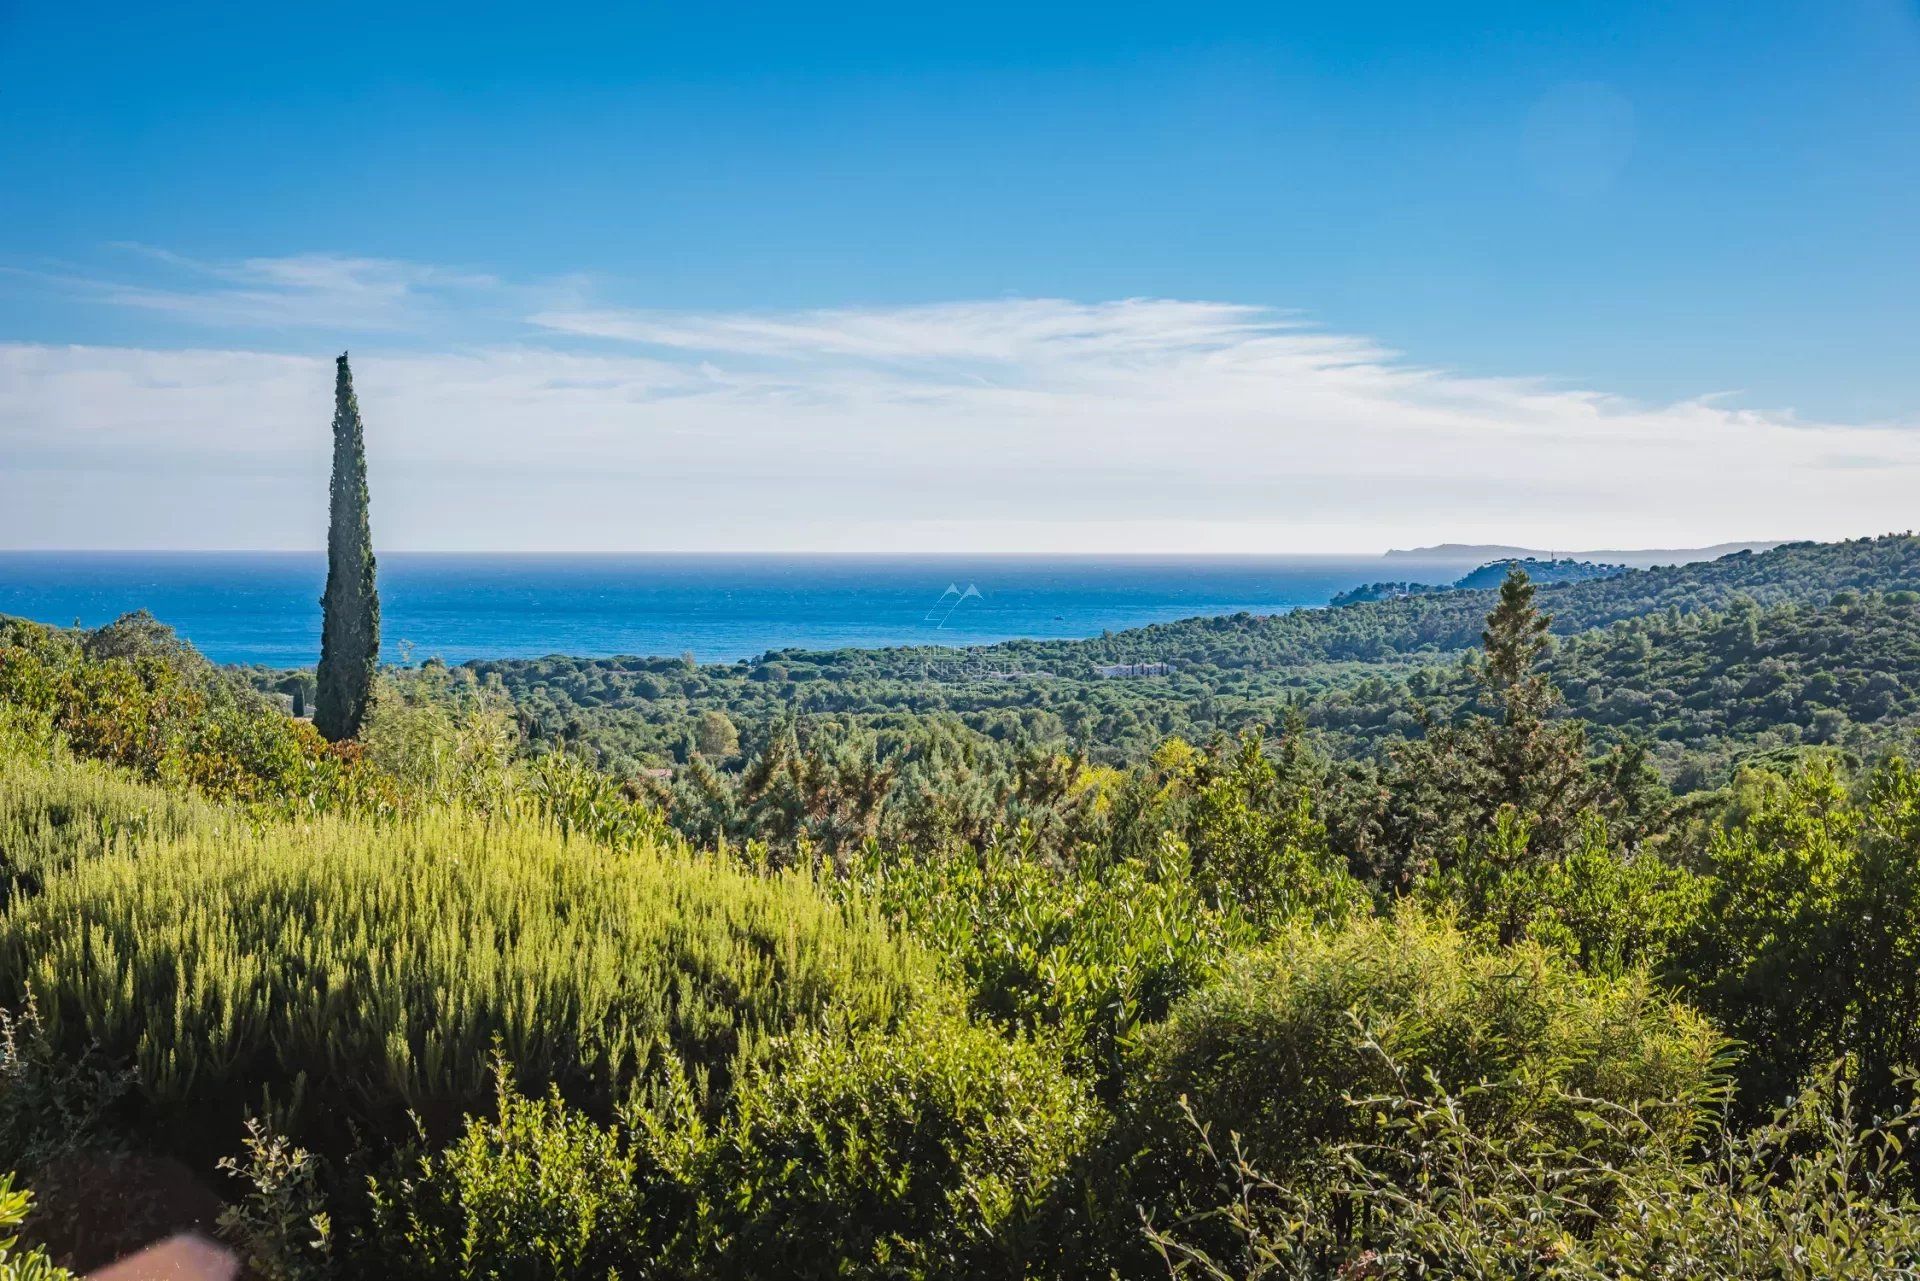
(1447, 792)
(714, 734)
(1810, 941)
(342, 971)
(927, 1152)
(32, 1265)
(1094, 953)
(1256, 842)
(350, 622)
(1817, 1192)
(538, 1192)
(442, 736)
(1610, 910)
(153, 707)
(1283, 1050)
(1232, 673)
(280, 1223)
(56, 811)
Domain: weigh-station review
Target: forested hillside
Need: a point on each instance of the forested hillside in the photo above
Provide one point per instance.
(1226, 673)
(1699, 688)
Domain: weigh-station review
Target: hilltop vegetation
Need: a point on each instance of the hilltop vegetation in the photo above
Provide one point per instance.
(1488, 576)
(1228, 674)
(1562, 951)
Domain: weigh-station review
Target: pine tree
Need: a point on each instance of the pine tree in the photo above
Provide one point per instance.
(1445, 793)
(1515, 640)
(350, 630)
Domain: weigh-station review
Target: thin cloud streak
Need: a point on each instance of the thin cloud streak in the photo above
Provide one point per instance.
(301, 291)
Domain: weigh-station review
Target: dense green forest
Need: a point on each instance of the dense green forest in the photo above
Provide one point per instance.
(1361, 671)
(1539, 572)
(1554, 932)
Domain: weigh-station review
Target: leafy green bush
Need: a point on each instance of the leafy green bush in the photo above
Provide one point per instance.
(32, 1265)
(441, 735)
(131, 695)
(280, 1223)
(1609, 910)
(1817, 1192)
(363, 968)
(1093, 952)
(1279, 1050)
(539, 1192)
(1256, 843)
(1813, 910)
(926, 1152)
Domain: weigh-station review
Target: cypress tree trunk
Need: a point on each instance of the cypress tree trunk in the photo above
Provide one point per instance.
(350, 628)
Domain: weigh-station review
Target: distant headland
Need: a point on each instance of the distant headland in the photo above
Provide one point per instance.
(1480, 553)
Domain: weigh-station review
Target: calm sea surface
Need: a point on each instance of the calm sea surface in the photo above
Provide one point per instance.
(262, 607)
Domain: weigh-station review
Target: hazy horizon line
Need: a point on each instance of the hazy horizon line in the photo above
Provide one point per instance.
(892, 555)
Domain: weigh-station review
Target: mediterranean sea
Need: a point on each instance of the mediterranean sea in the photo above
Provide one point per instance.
(263, 607)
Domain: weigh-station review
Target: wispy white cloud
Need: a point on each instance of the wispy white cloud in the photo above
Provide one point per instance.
(302, 291)
(1010, 424)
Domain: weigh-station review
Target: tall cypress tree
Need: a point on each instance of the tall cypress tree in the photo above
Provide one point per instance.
(350, 630)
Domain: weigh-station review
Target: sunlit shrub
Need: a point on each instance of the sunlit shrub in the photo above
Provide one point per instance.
(1093, 952)
(142, 701)
(538, 1191)
(346, 970)
(1820, 1191)
(56, 811)
(926, 1152)
(17, 1264)
(1811, 933)
(1282, 1049)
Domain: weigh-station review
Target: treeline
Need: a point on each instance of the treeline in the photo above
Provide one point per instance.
(1362, 672)
(1486, 577)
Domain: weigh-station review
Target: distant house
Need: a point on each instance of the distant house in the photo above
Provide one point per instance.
(659, 773)
(1121, 670)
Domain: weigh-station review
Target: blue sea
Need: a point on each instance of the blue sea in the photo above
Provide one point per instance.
(263, 607)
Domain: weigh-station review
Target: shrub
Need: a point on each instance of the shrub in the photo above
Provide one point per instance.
(1278, 1051)
(921, 1153)
(441, 735)
(1817, 1192)
(364, 968)
(1813, 908)
(32, 1265)
(1093, 952)
(51, 1106)
(1257, 843)
(130, 695)
(539, 1192)
(56, 811)
(1609, 910)
(280, 1223)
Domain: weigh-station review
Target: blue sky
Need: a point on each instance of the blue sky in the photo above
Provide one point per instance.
(1577, 246)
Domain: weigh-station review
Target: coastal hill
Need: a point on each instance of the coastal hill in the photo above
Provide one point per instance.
(1207, 674)
(1640, 558)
